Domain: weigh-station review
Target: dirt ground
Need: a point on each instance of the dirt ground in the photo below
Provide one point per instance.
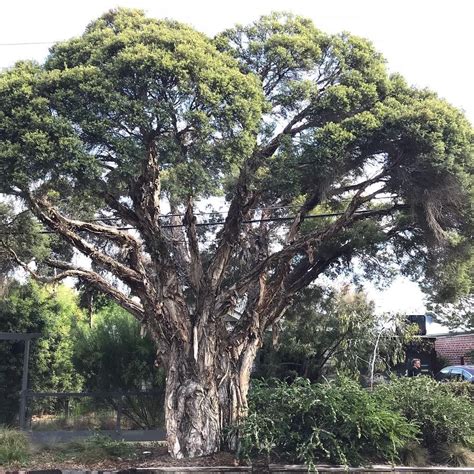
(144, 456)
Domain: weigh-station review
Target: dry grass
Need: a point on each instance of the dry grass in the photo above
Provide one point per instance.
(414, 455)
(14, 447)
(455, 455)
(102, 453)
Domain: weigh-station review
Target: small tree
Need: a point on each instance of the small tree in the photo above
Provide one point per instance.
(319, 155)
(328, 331)
(112, 355)
(53, 312)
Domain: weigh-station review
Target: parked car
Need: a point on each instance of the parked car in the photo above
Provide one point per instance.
(456, 372)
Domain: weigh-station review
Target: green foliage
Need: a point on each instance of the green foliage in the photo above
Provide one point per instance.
(443, 417)
(28, 129)
(126, 78)
(53, 312)
(325, 332)
(14, 447)
(464, 389)
(337, 422)
(19, 232)
(114, 355)
(412, 420)
(70, 356)
(82, 124)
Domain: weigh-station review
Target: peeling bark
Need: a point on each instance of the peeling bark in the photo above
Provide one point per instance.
(206, 393)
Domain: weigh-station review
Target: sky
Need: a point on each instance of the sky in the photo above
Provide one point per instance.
(428, 41)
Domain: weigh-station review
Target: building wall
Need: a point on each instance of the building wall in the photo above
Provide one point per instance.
(455, 346)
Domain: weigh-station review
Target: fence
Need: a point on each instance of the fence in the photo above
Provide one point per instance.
(27, 338)
(116, 399)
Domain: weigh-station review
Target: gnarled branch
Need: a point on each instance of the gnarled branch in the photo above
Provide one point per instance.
(69, 270)
(61, 225)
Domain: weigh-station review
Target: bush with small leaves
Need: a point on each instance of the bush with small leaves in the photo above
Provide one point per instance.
(443, 416)
(465, 389)
(336, 422)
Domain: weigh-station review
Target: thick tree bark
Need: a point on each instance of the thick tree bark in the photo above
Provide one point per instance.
(206, 393)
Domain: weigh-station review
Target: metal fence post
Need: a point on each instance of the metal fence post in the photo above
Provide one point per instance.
(24, 385)
(66, 409)
(118, 422)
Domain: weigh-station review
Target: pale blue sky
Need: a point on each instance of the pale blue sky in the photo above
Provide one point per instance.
(429, 41)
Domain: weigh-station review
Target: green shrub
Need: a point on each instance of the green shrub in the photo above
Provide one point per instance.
(443, 417)
(14, 447)
(337, 422)
(53, 312)
(465, 389)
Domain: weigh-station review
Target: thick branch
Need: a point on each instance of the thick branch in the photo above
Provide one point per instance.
(103, 285)
(304, 242)
(196, 268)
(59, 224)
(178, 238)
(124, 212)
(244, 198)
(126, 240)
(145, 193)
(91, 277)
(280, 290)
(311, 201)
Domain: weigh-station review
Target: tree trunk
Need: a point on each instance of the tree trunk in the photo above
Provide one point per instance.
(206, 393)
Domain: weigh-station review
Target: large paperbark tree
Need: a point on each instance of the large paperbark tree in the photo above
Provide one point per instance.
(115, 141)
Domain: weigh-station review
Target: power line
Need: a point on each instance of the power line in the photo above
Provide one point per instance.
(250, 221)
(33, 43)
(211, 213)
(211, 224)
(271, 219)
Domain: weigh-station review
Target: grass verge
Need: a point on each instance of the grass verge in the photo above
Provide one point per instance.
(14, 447)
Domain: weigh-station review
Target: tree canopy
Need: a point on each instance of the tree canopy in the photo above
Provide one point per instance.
(317, 154)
